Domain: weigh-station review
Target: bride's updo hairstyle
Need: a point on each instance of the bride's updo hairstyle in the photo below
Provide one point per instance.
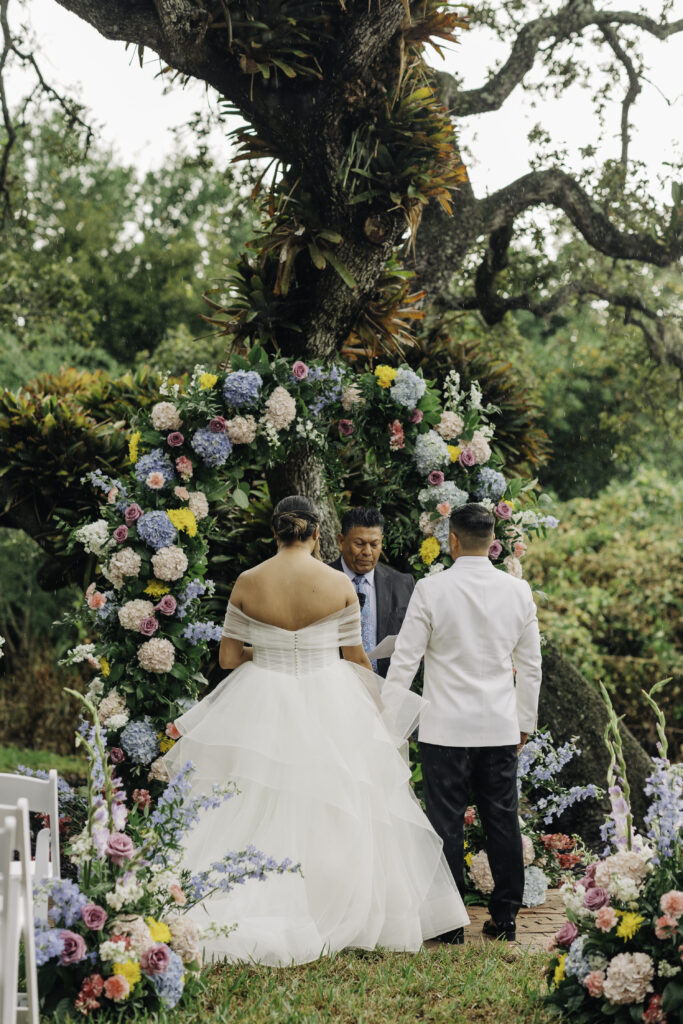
(294, 518)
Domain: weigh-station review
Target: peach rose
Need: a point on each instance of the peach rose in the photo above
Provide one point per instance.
(594, 983)
(606, 918)
(672, 903)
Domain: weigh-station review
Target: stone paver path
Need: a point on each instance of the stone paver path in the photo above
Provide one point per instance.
(535, 925)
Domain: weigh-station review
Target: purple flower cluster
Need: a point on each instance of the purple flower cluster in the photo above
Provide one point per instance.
(100, 482)
(156, 461)
(202, 633)
(664, 818)
(87, 730)
(330, 390)
(549, 522)
(242, 388)
(235, 869)
(66, 902)
(557, 803)
(156, 529)
(194, 589)
(49, 943)
(139, 740)
(213, 449)
(176, 812)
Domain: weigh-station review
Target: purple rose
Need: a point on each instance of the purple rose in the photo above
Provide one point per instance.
(217, 424)
(73, 950)
(120, 534)
(156, 958)
(299, 370)
(567, 933)
(94, 917)
(436, 477)
(149, 626)
(132, 513)
(120, 847)
(503, 510)
(495, 549)
(467, 458)
(416, 417)
(116, 755)
(175, 439)
(167, 605)
(345, 426)
(595, 898)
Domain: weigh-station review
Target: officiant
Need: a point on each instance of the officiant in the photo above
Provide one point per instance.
(383, 592)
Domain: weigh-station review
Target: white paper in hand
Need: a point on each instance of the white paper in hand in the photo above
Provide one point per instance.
(384, 649)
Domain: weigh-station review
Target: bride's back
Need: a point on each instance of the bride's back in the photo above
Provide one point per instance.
(292, 590)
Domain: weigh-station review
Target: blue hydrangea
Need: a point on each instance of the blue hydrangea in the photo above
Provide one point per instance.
(242, 389)
(66, 901)
(447, 491)
(442, 528)
(431, 452)
(49, 943)
(139, 740)
(550, 522)
(156, 529)
(489, 484)
(170, 984)
(408, 387)
(330, 391)
(202, 633)
(577, 965)
(156, 461)
(213, 449)
(535, 887)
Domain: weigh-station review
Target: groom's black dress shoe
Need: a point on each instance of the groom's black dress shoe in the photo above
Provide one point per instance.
(506, 931)
(454, 938)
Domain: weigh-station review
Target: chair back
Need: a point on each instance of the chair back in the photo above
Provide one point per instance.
(41, 795)
(8, 922)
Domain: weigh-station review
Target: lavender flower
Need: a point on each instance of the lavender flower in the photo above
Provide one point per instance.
(330, 391)
(156, 461)
(139, 740)
(202, 633)
(213, 449)
(664, 817)
(235, 869)
(156, 529)
(242, 389)
(194, 589)
(87, 730)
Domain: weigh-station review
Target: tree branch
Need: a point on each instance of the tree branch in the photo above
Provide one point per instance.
(632, 92)
(7, 43)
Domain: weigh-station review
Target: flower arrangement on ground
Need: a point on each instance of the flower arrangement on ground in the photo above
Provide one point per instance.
(618, 955)
(119, 936)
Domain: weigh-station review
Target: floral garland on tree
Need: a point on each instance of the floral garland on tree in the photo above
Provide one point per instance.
(196, 446)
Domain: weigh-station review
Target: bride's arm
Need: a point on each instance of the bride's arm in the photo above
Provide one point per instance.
(357, 655)
(232, 651)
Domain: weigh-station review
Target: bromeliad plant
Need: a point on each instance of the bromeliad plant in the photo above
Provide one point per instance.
(618, 955)
(122, 937)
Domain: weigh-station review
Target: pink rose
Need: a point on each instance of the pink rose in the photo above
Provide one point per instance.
(155, 481)
(178, 895)
(120, 534)
(120, 847)
(595, 898)
(97, 600)
(519, 549)
(436, 477)
(672, 903)
(345, 426)
(396, 436)
(503, 510)
(184, 467)
(149, 626)
(175, 439)
(470, 816)
(665, 927)
(94, 917)
(116, 755)
(173, 731)
(567, 933)
(117, 988)
(112, 494)
(605, 919)
(495, 549)
(73, 950)
(142, 798)
(217, 425)
(156, 958)
(167, 605)
(299, 370)
(467, 458)
(443, 508)
(182, 493)
(417, 416)
(132, 513)
(594, 982)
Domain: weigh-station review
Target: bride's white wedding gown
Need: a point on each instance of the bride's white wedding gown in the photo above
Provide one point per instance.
(322, 782)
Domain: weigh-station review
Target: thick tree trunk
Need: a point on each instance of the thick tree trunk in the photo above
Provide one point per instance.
(571, 706)
(304, 473)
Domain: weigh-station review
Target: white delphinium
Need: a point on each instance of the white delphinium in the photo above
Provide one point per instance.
(93, 536)
(114, 952)
(125, 892)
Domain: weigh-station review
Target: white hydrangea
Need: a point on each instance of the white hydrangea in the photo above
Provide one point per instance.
(199, 505)
(93, 536)
(169, 563)
(165, 417)
(572, 897)
(426, 524)
(125, 562)
(480, 872)
(513, 566)
(436, 567)
(132, 613)
(623, 889)
(114, 707)
(95, 690)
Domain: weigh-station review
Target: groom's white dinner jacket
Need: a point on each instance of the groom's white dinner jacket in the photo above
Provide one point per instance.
(471, 623)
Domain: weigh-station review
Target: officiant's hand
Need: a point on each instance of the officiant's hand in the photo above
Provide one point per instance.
(523, 737)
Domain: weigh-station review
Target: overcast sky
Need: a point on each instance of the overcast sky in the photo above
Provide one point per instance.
(136, 116)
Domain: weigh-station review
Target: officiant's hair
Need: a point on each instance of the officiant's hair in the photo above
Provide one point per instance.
(472, 524)
(294, 518)
(366, 517)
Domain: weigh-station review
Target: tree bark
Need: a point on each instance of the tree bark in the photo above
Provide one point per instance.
(304, 473)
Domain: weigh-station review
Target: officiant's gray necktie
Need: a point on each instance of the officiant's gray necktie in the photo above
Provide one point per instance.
(368, 634)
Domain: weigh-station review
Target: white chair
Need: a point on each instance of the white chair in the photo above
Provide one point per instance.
(41, 795)
(8, 924)
(20, 895)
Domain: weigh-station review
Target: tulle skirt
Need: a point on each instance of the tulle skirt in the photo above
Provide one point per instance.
(322, 783)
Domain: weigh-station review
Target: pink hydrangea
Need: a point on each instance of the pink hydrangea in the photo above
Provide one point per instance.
(672, 903)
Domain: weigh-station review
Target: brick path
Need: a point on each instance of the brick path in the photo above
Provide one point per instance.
(535, 925)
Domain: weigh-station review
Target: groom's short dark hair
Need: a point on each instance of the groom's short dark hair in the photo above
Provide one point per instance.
(472, 524)
(361, 517)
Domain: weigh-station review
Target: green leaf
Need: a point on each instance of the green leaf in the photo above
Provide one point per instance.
(672, 997)
(240, 498)
(239, 362)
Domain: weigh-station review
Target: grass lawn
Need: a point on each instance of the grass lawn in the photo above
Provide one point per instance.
(69, 767)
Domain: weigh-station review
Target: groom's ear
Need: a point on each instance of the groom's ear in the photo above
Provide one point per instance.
(340, 540)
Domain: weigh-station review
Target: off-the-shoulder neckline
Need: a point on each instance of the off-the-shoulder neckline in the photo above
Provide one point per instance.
(283, 629)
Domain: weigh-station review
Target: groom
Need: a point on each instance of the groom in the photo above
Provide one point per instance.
(472, 623)
(383, 592)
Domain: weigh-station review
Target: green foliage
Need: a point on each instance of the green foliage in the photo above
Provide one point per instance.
(612, 575)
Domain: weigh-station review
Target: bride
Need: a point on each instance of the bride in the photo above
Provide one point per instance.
(321, 779)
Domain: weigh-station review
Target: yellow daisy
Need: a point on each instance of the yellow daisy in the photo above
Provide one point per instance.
(429, 550)
(629, 925)
(183, 519)
(155, 588)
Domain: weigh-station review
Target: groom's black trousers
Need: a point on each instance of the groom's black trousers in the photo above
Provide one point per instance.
(449, 775)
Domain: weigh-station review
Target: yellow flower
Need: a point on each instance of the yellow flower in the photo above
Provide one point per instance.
(130, 970)
(629, 925)
(207, 380)
(469, 857)
(159, 931)
(429, 550)
(558, 976)
(133, 443)
(165, 743)
(385, 375)
(104, 667)
(156, 588)
(183, 519)
(465, 845)
(454, 451)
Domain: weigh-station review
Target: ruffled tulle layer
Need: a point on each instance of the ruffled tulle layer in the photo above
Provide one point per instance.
(322, 783)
